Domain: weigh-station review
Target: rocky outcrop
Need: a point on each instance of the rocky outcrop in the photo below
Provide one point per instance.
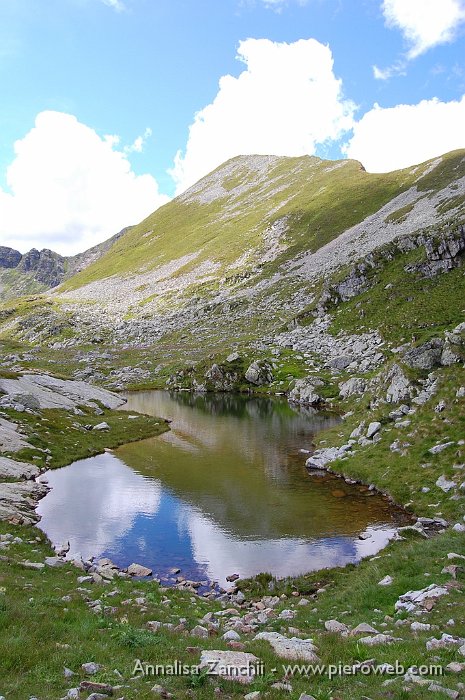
(9, 258)
(18, 501)
(9, 469)
(49, 392)
(443, 251)
(11, 440)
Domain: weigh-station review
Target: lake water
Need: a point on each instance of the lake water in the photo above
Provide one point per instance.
(225, 491)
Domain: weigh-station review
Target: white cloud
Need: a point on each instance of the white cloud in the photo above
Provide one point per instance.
(397, 68)
(138, 145)
(286, 102)
(391, 138)
(70, 189)
(424, 23)
(115, 4)
(277, 5)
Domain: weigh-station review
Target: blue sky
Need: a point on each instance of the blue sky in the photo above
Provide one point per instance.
(98, 97)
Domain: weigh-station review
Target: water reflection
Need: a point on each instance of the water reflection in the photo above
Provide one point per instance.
(225, 491)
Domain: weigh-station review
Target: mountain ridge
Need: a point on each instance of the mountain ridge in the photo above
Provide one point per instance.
(40, 270)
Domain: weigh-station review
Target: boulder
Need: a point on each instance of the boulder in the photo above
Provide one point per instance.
(50, 392)
(445, 484)
(259, 373)
(304, 392)
(335, 626)
(373, 428)
(139, 570)
(377, 639)
(290, 648)
(341, 362)
(412, 600)
(363, 628)
(425, 356)
(236, 666)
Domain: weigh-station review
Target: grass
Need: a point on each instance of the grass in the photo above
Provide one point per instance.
(411, 307)
(68, 437)
(320, 201)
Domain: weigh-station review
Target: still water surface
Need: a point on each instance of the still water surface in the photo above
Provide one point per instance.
(225, 491)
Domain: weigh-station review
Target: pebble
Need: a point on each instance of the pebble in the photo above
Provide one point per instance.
(90, 668)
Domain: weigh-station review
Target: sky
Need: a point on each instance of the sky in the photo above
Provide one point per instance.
(109, 108)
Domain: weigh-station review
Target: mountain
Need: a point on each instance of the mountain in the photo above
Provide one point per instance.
(341, 290)
(262, 245)
(37, 271)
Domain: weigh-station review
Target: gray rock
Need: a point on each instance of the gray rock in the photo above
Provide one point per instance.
(91, 668)
(51, 392)
(11, 440)
(290, 648)
(230, 665)
(425, 356)
(259, 373)
(233, 357)
(355, 386)
(386, 581)
(446, 641)
(439, 448)
(18, 501)
(139, 570)
(445, 484)
(199, 631)
(377, 639)
(420, 626)
(411, 600)
(101, 426)
(399, 387)
(287, 614)
(340, 362)
(9, 469)
(335, 626)
(373, 428)
(363, 628)
(455, 667)
(304, 393)
(232, 635)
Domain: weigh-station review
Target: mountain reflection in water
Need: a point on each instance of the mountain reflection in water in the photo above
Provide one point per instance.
(225, 491)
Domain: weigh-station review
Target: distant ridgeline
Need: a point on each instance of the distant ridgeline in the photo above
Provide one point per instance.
(39, 270)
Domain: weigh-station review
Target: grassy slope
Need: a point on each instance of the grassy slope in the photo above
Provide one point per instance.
(321, 200)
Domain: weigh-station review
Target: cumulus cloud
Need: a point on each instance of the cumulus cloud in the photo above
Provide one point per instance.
(391, 138)
(286, 102)
(424, 23)
(70, 189)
